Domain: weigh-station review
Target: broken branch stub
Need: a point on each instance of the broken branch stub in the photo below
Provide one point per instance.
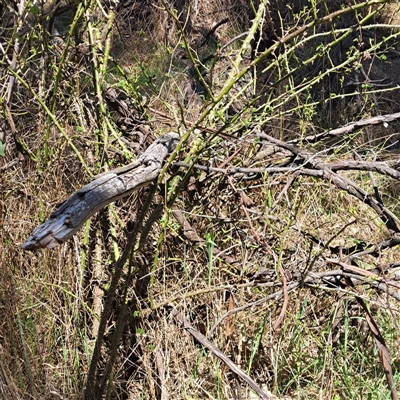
(104, 189)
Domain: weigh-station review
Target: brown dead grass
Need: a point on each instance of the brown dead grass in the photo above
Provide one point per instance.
(47, 297)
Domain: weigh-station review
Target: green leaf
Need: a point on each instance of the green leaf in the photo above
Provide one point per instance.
(35, 10)
(270, 201)
(2, 149)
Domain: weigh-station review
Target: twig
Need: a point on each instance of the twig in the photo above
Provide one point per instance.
(211, 289)
(243, 200)
(212, 31)
(9, 164)
(349, 128)
(161, 375)
(285, 298)
(359, 274)
(311, 277)
(192, 235)
(217, 352)
(378, 248)
(380, 285)
(383, 168)
(237, 37)
(383, 351)
(352, 268)
(276, 295)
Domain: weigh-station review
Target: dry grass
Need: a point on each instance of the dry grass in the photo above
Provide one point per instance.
(51, 299)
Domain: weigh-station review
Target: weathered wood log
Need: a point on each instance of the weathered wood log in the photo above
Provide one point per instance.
(104, 189)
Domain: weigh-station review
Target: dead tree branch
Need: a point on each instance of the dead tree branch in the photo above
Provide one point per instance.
(222, 356)
(351, 127)
(105, 189)
(383, 168)
(313, 162)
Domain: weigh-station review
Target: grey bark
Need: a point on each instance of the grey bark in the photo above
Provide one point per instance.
(105, 189)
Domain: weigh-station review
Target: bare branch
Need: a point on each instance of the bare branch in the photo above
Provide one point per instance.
(312, 160)
(222, 356)
(105, 189)
(351, 127)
